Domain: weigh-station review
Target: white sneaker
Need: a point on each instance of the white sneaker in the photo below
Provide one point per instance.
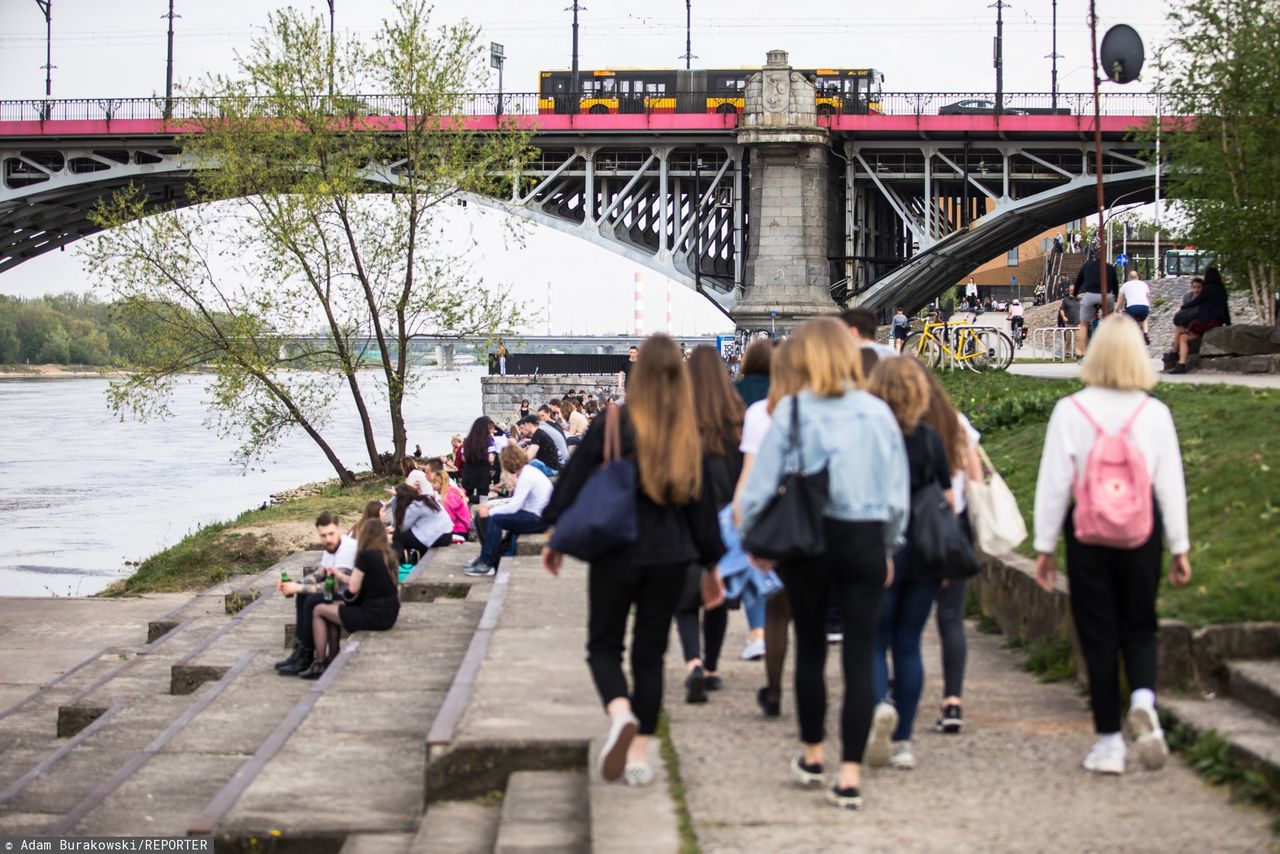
(1105, 759)
(884, 720)
(901, 756)
(613, 756)
(1148, 738)
(754, 651)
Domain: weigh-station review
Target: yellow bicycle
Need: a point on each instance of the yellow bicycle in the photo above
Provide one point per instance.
(978, 348)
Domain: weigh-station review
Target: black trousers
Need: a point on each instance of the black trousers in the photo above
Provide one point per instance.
(1113, 605)
(852, 574)
(611, 592)
(715, 622)
(306, 603)
(404, 541)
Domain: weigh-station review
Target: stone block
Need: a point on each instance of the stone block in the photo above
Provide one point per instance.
(1241, 340)
(1214, 646)
(187, 678)
(1174, 666)
(72, 719)
(157, 629)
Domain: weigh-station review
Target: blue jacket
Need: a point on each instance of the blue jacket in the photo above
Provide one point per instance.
(857, 439)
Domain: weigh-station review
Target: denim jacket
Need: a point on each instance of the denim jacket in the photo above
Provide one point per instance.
(857, 439)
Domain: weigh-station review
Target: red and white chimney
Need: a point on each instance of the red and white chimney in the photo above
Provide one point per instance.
(639, 331)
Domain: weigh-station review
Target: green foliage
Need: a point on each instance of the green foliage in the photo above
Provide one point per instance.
(1221, 77)
(66, 329)
(675, 785)
(333, 255)
(1050, 658)
(1212, 757)
(1231, 456)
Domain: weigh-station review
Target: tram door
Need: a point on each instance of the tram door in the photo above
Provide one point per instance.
(631, 96)
(563, 100)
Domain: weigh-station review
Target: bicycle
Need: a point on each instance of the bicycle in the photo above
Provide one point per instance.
(978, 348)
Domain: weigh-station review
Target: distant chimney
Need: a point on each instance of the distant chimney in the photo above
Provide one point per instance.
(639, 305)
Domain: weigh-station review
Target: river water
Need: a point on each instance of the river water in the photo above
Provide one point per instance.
(82, 492)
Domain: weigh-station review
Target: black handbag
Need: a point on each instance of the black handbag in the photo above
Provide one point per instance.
(603, 517)
(790, 526)
(939, 546)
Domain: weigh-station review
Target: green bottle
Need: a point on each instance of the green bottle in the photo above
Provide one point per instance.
(328, 589)
(285, 579)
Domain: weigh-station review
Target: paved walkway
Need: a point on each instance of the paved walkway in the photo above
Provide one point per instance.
(1011, 782)
(1071, 370)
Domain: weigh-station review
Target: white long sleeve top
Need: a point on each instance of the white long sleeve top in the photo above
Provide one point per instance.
(1069, 439)
(532, 494)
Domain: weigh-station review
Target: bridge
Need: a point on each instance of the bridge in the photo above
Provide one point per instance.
(775, 211)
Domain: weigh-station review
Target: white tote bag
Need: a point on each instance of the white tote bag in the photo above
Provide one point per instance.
(993, 512)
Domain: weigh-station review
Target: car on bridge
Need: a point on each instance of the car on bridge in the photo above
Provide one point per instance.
(977, 107)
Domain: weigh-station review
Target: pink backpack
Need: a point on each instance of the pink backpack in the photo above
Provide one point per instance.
(1113, 496)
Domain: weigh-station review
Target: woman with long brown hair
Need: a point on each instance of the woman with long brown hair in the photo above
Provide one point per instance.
(677, 527)
(718, 411)
(371, 602)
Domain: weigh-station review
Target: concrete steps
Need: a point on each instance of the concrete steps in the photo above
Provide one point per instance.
(544, 811)
(457, 827)
(1256, 684)
(1247, 717)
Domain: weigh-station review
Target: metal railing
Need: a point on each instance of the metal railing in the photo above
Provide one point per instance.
(1054, 340)
(528, 104)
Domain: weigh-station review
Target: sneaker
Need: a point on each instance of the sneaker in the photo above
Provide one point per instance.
(613, 756)
(479, 569)
(950, 721)
(638, 774)
(1148, 738)
(901, 756)
(771, 708)
(695, 686)
(1105, 759)
(849, 798)
(753, 651)
(806, 774)
(715, 683)
(884, 720)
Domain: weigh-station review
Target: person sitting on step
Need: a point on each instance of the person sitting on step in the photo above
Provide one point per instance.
(371, 603)
(519, 514)
(419, 522)
(337, 559)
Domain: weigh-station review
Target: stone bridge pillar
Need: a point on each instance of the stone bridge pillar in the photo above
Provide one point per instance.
(788, 274)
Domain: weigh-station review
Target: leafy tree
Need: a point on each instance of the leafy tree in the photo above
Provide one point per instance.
(306, 269)
(1221, 75)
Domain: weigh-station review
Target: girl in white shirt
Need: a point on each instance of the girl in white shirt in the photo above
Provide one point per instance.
(1113, 590)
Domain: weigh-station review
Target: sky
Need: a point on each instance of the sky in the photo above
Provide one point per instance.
(116, 48)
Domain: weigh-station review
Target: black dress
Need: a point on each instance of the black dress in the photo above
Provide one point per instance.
(377, 605)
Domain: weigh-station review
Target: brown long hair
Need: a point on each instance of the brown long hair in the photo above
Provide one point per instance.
(405, 495)
(757, 358)
(829, 357)
(901, 383)
(787, 375)
(660, 408)
(717, 406)
(372, 534)
(944, 418)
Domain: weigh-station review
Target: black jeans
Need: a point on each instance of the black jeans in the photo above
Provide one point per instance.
(851, 573)
(306, 603)
(955, 647)
(611, 591)
(404, 541)
(715, 622)
(1113, 605)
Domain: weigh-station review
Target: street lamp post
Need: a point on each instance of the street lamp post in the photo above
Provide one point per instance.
(168, 70)
(1054, 56)
(998, 54)
(574, 82)
(331, 47)
(688, 34)
(46, 7)
(497, 57)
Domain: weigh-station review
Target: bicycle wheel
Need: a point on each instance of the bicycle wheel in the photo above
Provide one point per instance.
(988, 350)
(924, 349)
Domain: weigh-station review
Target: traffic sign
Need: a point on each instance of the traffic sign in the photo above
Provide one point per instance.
(1013, 280)
(1122, 259)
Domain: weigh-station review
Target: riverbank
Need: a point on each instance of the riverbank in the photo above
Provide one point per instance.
(52, 372)
(250, 542)
(1231, 456)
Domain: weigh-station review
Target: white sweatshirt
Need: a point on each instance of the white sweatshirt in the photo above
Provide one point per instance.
(532, 494)
(1067, 443)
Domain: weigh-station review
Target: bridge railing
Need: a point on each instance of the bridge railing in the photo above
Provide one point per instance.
(528, 104)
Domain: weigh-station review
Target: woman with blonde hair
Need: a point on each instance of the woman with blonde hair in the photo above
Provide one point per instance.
(677, 526)
(903, 385)
(454, 501)
(834, 426)
(1115, 574)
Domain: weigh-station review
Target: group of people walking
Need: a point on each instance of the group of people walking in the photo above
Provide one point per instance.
(886, 460)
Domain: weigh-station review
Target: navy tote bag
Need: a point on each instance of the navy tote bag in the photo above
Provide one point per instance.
(602, 518)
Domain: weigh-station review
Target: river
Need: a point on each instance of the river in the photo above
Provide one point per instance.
(84, 492)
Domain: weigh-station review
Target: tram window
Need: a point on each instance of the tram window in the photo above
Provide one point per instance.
(656, 88)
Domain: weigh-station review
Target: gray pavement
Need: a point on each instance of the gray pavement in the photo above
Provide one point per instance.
(1011, 782)
(1071, 370)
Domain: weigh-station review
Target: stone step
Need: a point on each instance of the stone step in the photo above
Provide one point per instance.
(545, 811)
(1252, 734)
(457, 827)
(377, 843)
(1256, 684)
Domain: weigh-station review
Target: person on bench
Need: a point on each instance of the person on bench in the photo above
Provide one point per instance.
(519, 514)
(371, 603)
(337, 559)
(419, 522)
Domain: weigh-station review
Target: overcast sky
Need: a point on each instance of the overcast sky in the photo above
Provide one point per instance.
(117, 48)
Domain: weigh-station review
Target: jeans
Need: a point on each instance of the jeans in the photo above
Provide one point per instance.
(1113, 605)
(715, 621)
(611, 592)
(955, 647)
(520, 522)
(543, 467)
(755, 614)
(903, 613)
(851, 572)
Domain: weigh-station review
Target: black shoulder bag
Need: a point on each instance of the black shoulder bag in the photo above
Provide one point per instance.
(790, 526)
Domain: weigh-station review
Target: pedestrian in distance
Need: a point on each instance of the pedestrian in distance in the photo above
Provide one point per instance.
(901, 328)
(1111, 482)
(519, 514)
(677, 526)
(1135, 301)
(854, 437)
(718, 412)
(904, 610)
(753, 384)
(1088, 288)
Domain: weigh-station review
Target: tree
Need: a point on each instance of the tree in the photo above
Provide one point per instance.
(307, 286)
(1222, 79)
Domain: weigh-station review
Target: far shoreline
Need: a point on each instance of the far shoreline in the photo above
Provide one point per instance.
(58, 372)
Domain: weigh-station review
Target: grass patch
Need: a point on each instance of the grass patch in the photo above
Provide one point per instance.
(1211, 756)
(1050, 659)
(216, 552)
(675, 786)
(987, 625)
(1231, 455)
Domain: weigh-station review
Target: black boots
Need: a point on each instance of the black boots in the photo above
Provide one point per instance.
(299, 665)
